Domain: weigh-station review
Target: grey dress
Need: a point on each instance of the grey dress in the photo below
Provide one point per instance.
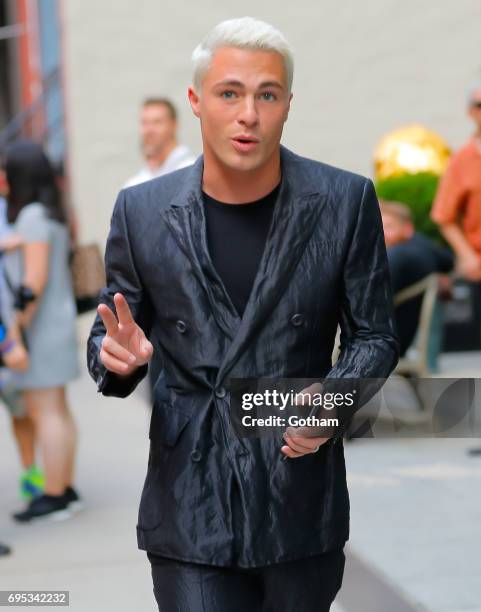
(51, 336)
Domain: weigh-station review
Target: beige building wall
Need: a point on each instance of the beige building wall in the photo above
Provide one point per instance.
(362, 69)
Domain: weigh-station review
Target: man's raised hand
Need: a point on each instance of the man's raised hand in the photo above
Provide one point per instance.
(124, 347)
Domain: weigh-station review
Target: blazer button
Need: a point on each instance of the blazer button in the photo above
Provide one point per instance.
(196, 456)
(221, 392)
(181, 327)
(297, 319)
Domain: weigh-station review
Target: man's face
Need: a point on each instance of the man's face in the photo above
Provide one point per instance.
(157, 129)
(475, 108)
(242, 106)
(395, 230)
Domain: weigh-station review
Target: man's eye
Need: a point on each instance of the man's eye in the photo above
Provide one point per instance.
(268, 95)
(228, 95)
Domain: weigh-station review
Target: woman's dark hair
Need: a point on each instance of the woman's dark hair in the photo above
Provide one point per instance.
(31, 178)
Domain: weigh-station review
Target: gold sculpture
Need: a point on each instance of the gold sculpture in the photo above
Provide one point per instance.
(409, 150)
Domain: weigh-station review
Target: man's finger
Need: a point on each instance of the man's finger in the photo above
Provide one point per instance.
(292, 454)
(108, 318)
(303, 444)
(123, 310)
(118, 351)
(144, 352)
(140, 347)
(299, 444)
(147, 349)
(112, 363)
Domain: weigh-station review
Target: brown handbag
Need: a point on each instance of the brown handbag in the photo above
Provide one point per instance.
(88, 276)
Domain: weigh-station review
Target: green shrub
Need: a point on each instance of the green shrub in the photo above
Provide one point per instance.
(418, 192)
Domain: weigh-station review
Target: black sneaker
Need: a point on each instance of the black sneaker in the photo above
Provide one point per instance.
(74, 503)
(4, 550)
(45, 506)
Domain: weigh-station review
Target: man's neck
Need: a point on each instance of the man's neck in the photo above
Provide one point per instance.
(239, 187)
(154, 162)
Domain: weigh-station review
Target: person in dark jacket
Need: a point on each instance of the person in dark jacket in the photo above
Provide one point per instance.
(411, 258)
(240, 266)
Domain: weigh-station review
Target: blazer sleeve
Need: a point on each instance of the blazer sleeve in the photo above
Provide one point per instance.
(369, 343)
(121, 276)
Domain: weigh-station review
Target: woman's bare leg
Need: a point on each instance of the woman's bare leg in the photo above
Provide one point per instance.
(56, 435)
(25, 437)
(72, 432)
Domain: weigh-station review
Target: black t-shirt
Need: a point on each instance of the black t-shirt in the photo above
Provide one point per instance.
(236, 237)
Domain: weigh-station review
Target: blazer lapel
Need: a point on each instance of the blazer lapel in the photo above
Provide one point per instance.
(188, 226)
(186, 220)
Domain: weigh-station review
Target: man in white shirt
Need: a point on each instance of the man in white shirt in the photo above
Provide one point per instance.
(161, 151)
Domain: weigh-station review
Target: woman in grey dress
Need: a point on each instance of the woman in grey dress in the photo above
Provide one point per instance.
(39, 279)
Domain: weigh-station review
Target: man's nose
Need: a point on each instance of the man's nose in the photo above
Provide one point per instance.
(248, 113)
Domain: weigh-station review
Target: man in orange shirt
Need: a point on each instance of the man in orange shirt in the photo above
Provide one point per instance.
(457, 207)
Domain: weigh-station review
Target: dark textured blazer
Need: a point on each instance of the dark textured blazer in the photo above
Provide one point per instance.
(211, 496)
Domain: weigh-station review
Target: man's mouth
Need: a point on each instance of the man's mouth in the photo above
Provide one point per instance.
(244, 144)
(245, 139)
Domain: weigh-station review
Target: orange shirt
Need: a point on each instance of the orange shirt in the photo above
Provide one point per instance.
(459, 194)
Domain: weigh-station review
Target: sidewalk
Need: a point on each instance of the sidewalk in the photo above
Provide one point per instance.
(416, 514)
(415, 519)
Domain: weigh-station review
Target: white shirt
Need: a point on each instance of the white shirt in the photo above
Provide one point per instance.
(180, 157)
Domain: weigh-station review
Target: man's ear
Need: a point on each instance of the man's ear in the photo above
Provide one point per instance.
(288, 107)
(194, 100)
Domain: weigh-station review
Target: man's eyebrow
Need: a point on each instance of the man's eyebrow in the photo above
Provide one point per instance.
(235, 83)
(271, 84)
(231, 82)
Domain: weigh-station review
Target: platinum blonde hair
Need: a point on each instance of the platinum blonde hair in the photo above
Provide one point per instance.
(242, 33)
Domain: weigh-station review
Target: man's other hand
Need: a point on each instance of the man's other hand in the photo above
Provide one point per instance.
(298, 441)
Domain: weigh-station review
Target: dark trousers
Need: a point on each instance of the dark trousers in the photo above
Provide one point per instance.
(305, 585)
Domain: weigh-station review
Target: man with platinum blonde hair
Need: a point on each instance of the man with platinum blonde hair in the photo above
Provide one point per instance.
(242, 266)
